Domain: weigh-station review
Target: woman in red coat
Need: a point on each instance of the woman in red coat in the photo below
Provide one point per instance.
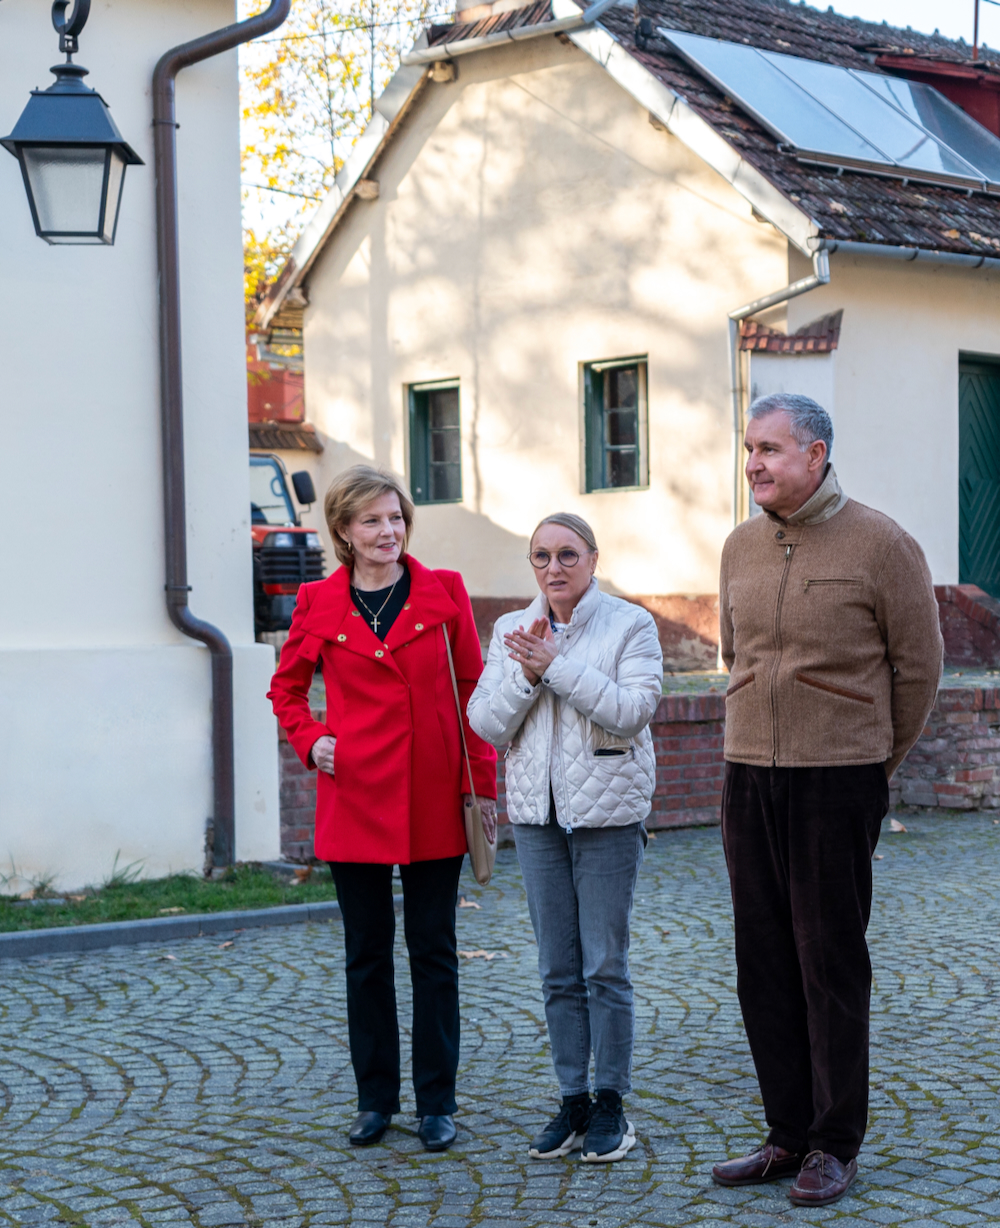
(391, 785)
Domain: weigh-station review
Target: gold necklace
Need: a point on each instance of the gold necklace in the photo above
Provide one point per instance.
(375, 615)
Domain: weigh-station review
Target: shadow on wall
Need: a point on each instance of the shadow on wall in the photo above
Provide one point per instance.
(688, 625)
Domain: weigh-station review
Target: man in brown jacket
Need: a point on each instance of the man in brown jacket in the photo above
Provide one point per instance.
(830, 631)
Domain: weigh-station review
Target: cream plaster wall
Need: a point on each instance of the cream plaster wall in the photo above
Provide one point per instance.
(530, 220)
(104, 707)
(896, 385)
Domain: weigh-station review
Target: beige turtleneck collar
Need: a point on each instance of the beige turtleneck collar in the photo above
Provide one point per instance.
(824, 503)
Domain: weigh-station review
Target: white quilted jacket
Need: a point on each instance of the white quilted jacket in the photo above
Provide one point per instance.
(599, 694)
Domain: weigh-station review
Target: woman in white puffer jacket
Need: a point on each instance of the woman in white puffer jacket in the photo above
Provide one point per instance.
(571, 683)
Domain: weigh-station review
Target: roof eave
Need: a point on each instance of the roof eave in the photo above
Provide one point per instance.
(682, 121)
(392, 105)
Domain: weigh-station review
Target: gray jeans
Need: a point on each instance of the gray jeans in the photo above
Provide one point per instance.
(580, 886)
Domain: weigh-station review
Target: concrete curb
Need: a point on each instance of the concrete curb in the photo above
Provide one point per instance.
(66, 939)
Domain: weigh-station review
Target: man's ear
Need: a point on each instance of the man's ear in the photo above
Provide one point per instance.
(817, 454)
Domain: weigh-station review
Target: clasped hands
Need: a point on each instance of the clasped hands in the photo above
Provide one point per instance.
(534, 650)
(322, 755)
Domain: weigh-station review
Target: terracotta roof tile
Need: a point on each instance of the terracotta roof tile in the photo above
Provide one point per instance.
(820, 337)
(513, 19)
(850, 206)
(273, 436)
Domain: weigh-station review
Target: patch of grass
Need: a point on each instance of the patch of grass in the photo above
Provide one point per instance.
(123, 897)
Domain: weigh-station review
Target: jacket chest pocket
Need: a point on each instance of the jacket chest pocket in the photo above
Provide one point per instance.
(831, 584)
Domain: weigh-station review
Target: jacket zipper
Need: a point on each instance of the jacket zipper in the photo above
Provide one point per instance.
(777, 657)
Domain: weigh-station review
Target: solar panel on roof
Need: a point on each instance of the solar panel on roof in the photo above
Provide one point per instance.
(843, 117)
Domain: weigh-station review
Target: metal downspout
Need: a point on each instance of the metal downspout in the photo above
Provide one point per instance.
(223, 821)
(820, 277)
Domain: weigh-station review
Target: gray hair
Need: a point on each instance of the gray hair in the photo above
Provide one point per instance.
(807, 421)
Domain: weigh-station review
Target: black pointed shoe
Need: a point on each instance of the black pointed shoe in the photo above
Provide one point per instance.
(437, 1133)
(369, 1127)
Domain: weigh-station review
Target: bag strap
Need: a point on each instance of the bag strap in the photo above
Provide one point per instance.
(458, 707)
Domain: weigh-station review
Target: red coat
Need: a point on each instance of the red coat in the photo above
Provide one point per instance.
(399, 771)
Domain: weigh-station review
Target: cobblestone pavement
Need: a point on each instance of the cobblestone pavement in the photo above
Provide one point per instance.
(207, 1084)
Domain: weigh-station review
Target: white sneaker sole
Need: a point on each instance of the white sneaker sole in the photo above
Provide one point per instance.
(571, 1144)
(627, 1143)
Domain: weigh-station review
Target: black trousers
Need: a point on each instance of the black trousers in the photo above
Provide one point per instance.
(430, 893)
(799, 845)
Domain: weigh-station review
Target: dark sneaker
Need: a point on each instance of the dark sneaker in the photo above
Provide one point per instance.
(565, 1131)
(609, 1135)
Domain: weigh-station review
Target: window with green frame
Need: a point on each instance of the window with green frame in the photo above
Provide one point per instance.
(435, 442)
(615, 426)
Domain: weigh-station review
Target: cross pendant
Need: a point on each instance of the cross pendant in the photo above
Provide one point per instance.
(375, 624)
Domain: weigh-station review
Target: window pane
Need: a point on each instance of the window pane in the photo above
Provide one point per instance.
(446, 482)
(624, 387)
(446, 447)
(623, 468)
(268, 499)
(622, 428)
(443, 407)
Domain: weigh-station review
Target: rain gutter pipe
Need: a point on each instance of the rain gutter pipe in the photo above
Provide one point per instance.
(820, 276)
(222, 830)
(447, 51)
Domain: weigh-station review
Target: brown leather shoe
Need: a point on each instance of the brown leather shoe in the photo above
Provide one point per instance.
(767, 1163)
(822, 1180)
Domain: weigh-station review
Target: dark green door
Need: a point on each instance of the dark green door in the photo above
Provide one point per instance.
(979, 475)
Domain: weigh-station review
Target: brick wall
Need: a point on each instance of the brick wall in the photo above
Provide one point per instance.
(955, 765)
(687, 736)
(956, 762)
(970, 624)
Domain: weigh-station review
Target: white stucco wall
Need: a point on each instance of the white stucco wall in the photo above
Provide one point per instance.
(531, 219)
(895, 398)
(104, 707)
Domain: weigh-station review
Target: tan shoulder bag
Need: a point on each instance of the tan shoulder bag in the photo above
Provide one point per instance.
(482, 852)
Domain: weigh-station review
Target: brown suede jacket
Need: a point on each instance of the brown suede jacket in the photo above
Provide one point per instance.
(830, 632)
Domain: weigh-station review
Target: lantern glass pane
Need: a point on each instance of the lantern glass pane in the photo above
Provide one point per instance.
(116, 175)
(67, 184)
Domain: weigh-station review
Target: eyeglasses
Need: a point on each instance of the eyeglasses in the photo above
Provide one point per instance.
(540, 559)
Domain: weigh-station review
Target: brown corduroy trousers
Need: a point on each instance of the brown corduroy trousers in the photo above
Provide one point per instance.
(799, 845)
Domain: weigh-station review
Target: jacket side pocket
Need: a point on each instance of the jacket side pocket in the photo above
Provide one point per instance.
(738, 686)
(834, 690)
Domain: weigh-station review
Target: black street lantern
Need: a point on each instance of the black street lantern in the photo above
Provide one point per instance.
(72, 155)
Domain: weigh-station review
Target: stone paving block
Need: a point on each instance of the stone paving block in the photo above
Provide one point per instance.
(215, 1088)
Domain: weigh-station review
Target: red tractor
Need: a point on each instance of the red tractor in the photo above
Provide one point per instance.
(285, 554)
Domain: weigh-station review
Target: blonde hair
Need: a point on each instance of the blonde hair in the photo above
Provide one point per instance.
(568, 520)
(353, 490)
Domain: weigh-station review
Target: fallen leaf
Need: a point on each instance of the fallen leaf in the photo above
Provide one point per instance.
(464, 903)
(651, 835)
(223, 945)
(878, 856)
(169, 910)
(303, 873)
(895, 825)
(666, 932)
(487, 955)
(77, 898)
(168, 957)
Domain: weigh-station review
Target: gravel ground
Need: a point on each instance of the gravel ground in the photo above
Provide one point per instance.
(207, 1082)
